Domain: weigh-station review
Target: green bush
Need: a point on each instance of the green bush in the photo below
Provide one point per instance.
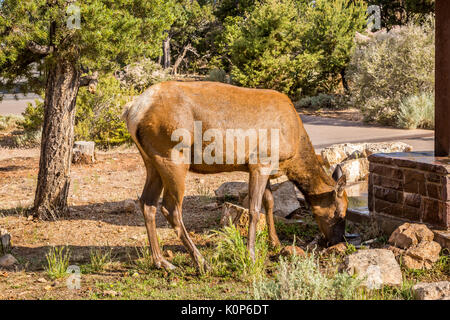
(389, 67)
(33, 116)
(292, 46)
(218, 75)
(318, 102)
(417, 112)
(300, 278)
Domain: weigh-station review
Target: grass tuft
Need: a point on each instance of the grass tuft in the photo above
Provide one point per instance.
(57, 262)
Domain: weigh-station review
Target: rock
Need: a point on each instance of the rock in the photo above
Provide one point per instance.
(240, 217)
(340, 152)
(355, 169)
(377, 267)
(5, 241)
(83, 152)
(422, 256)
(8, 260)
(432, 291)
(129, 206)
(230, 189)
(284, 197)
(290, 251)
(410, 234)
(339, 248)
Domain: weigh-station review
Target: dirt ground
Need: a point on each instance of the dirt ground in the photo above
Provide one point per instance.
(97, 217)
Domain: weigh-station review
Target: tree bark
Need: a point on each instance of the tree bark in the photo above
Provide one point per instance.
(166, 53)
(52, 189)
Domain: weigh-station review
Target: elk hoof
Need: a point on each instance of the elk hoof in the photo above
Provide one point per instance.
(166, 265)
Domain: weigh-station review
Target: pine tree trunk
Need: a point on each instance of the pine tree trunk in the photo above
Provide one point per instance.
(57, 139)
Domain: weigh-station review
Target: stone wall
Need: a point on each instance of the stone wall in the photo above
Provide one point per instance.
(413, 186)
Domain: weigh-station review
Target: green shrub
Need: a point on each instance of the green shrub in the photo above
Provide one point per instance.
(320, 101)
(33, 116)
(98, 115)
(218, 75)
(300, 278)
(417, 112)
(57, 262)
(389, 67)
(142, 74)
(231, 257)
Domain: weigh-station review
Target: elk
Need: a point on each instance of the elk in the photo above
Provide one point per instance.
(165, 107)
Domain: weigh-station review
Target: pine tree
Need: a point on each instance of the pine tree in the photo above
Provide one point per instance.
(55, 47)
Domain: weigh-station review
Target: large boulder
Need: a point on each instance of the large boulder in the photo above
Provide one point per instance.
(230, 190)
(285, 198)
(340, 152)
(240, 217)
(432, 291)
(355, 169)
(410, 234)
(376, 267)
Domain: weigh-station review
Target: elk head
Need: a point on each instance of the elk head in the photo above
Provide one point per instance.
(330, 209)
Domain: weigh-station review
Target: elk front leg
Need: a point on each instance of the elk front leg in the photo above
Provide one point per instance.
(149, 203)
(268, 205)
(257, 185)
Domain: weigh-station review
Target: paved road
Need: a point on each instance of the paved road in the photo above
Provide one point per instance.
(9, 105)
(322, 131)
(327, 131)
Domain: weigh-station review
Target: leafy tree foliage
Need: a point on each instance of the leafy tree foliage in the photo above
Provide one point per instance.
(293, 46)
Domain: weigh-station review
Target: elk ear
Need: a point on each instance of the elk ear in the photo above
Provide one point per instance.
(340, 185)
(338, 173)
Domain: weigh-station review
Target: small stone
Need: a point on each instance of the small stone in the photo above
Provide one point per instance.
(48, 287)
(410, 234)
(129, 206)
(8, 260)
(377, 267)
(169, 254)
(339, 248)
(41, 280)
(290, 251)
(432, 291)
(30, 218)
